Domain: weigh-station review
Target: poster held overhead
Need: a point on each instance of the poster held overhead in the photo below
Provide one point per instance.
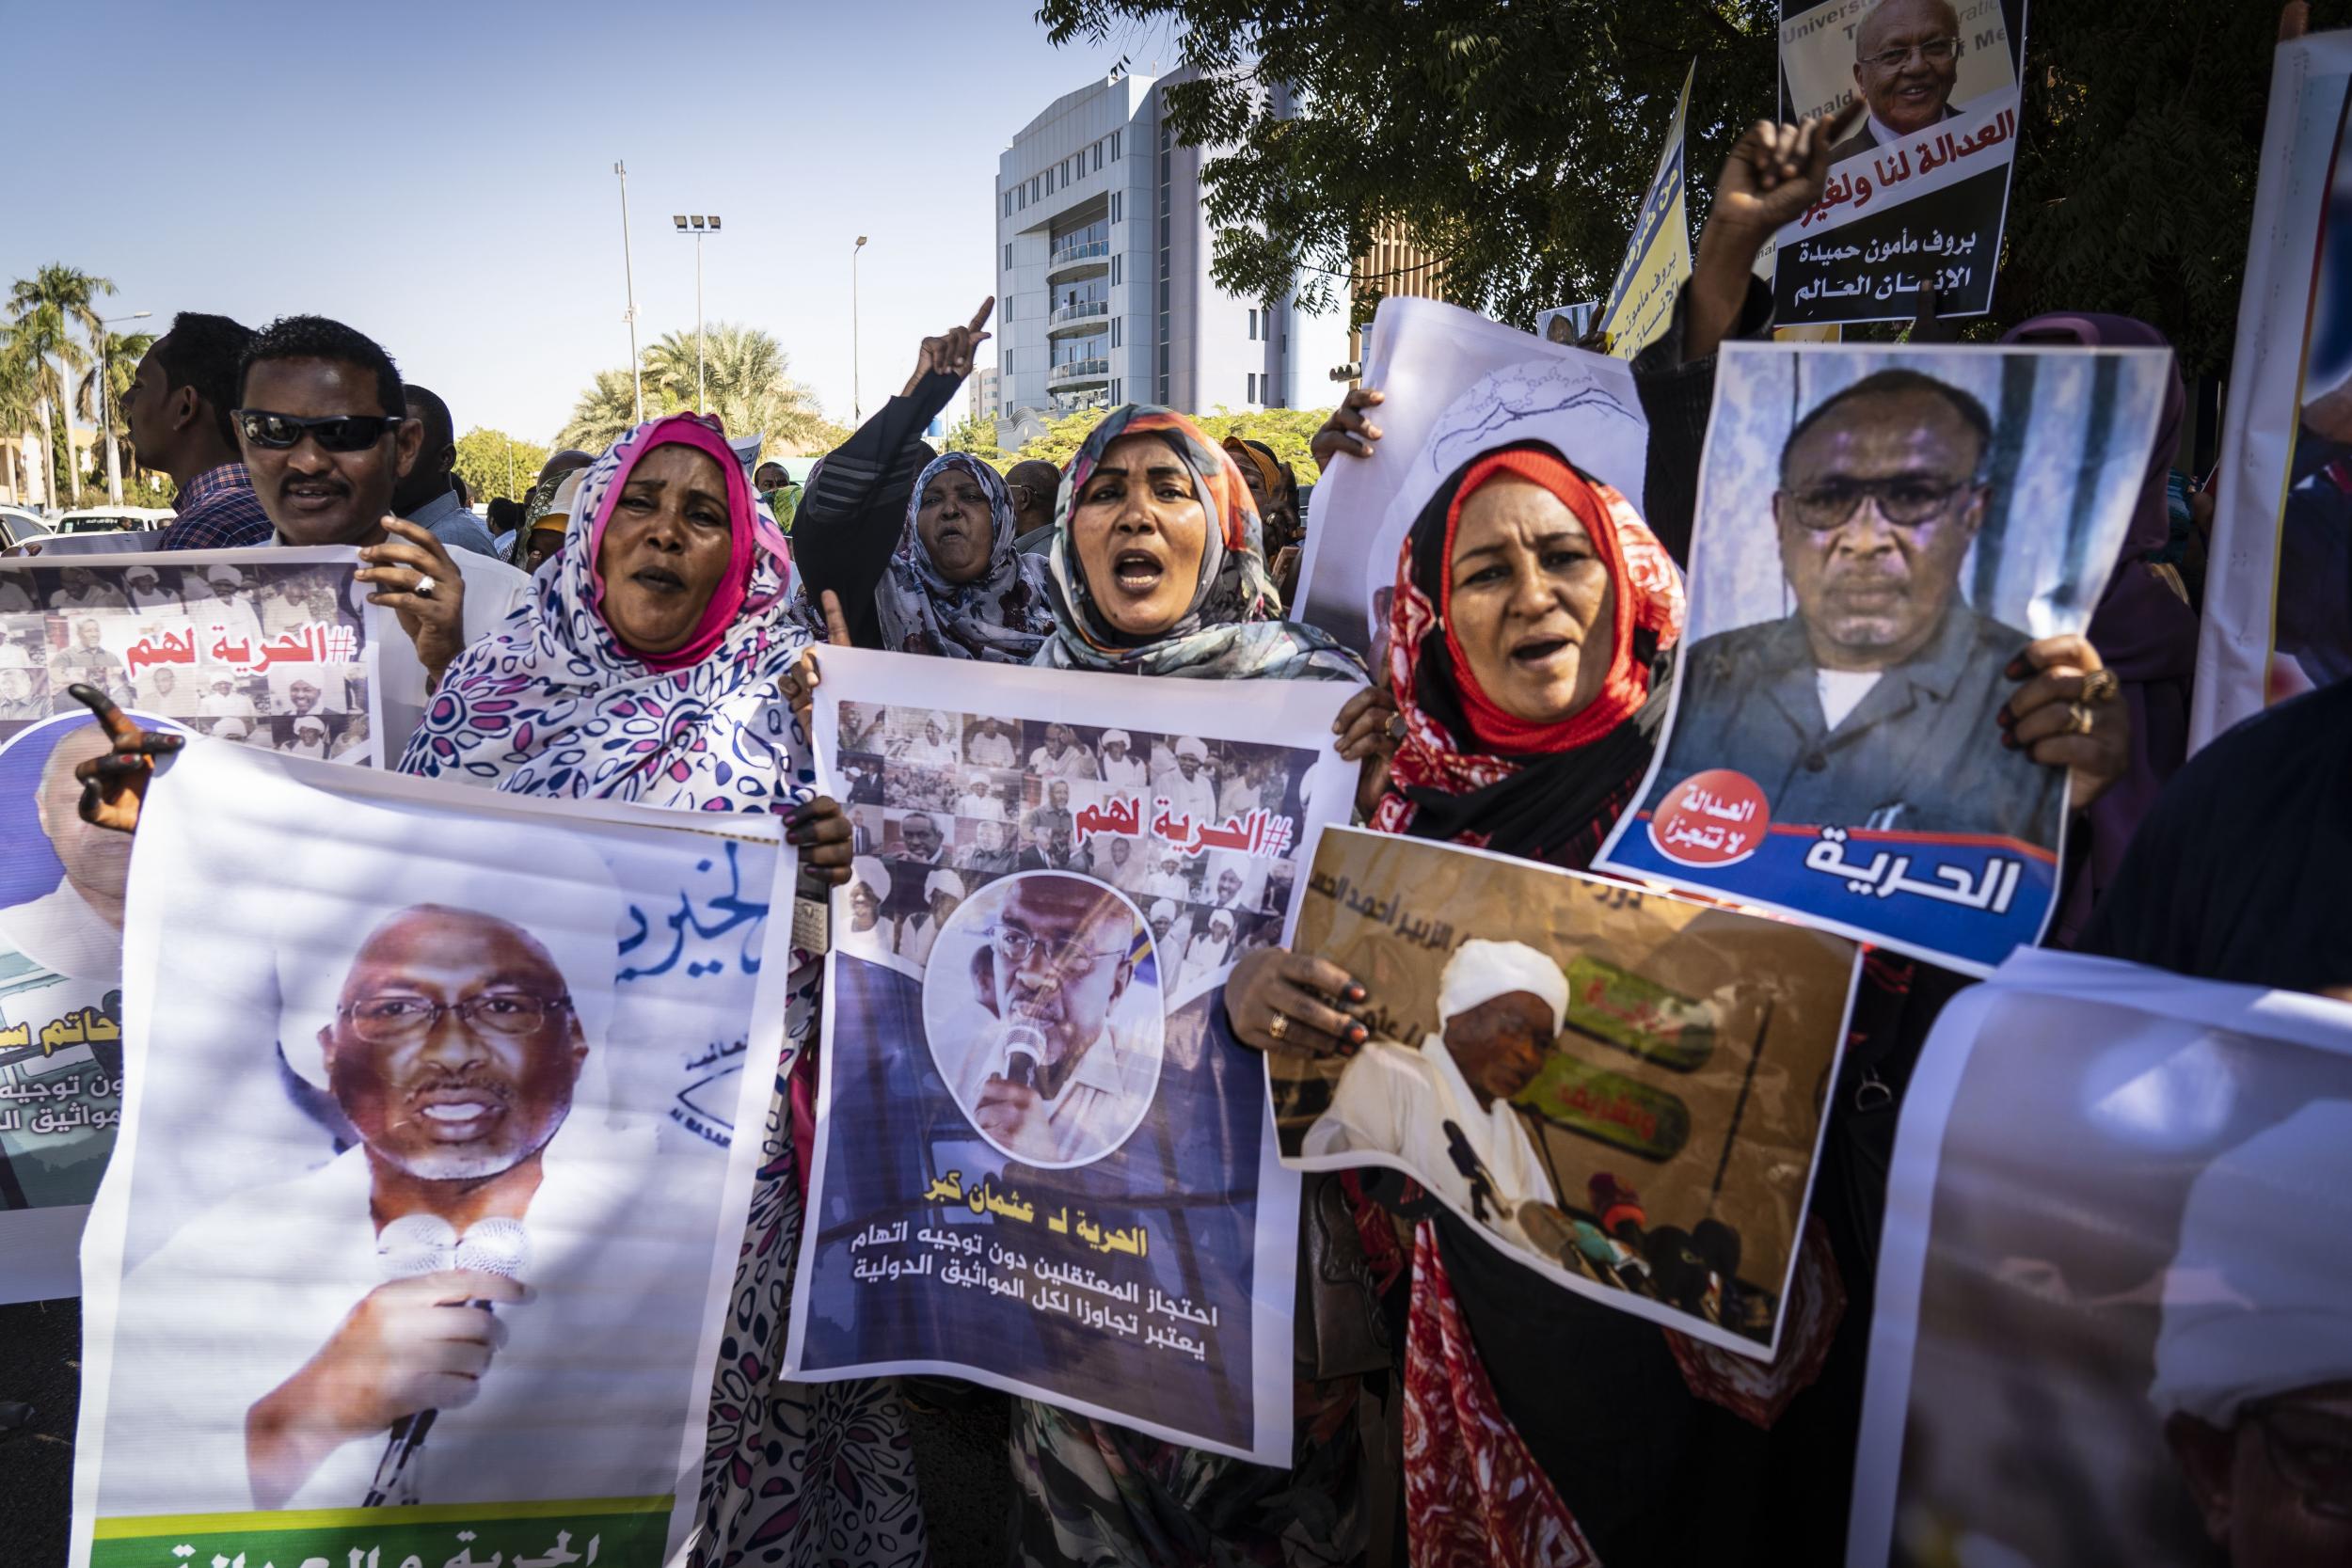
(2100, 1257)
(1918, 191)
(1042, 1162)
(1881, 533)
(1657, 262)
(1581, 1069)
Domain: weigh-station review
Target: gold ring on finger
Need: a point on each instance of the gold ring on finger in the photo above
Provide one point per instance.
(2101, 686)
(1280, 1029)
(2077, 718)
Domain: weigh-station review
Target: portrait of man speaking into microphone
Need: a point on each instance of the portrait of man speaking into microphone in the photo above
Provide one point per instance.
(447, 1284)
(1048, 1029)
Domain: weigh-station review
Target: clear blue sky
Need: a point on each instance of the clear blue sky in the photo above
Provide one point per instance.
(441, 175)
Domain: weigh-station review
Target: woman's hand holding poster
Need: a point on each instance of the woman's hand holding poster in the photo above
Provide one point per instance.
(1042, 1162)
(1858, 738)
(406, 1208)
(1623, 1090)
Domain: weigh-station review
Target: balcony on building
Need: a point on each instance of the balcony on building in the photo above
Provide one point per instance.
(1074, 374)
(1080, 245)
(1077, 317)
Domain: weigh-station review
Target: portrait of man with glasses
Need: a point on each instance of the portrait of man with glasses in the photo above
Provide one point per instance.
(1875, 704)
(1048, 1034)
(458, 1255)
(1906, 59)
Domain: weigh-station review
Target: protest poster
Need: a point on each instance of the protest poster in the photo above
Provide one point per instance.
(2278, 603)
(2111, 1320)
(1647, 1137)
(1833, 748)
(1567, 323)
(253, 644)
(377, 1029)
(1917, 190)
(1042, 1162)
(266, 646)
(1450, 376)
(1657, 260)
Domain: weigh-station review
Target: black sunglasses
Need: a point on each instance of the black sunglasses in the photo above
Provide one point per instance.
(336, 431)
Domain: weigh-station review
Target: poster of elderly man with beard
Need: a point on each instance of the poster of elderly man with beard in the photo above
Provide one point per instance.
(2114, 1317)
(407, 1245)
(1917, 193)
(1042, 1162)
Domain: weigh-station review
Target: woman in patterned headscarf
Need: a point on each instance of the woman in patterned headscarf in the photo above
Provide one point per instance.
(656, 662)
(956, 588)
(1157, 571)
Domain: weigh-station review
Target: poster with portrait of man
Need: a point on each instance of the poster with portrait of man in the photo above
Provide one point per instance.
(2113, 1320)
(408, 1246)
(273, 648)
(1917, 190)
(1880, 533)
(1621, 1090)
(1043, 1162)
(2278, 605)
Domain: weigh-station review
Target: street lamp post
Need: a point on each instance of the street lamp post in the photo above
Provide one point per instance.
(698, 225)
(105, 401)
(628, 280)
(857, 407)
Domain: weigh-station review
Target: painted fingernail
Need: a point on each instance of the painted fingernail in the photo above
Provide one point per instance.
(1357, 1034)
(1355, 992)
(2016, 669)
(2006, 718)
(2009, 740)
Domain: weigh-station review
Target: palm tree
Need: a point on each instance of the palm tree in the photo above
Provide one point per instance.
(35, 338)
(121, 355)
(60, 297)
(20, 407)
(604, 414)
(747, 388)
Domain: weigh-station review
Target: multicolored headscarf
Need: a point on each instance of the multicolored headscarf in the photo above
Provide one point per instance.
(1004, 615)
(1233, 629)
(1466, 771)
(552, 702)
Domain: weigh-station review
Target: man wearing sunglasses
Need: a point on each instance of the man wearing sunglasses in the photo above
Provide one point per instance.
(1886, 701)
(1906, 56)
(321, 420)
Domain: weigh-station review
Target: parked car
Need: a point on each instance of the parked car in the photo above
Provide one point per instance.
(19, 524)
(115, 519)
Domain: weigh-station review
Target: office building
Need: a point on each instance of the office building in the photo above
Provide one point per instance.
(1103, 287)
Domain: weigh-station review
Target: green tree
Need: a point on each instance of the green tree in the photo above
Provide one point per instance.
(493, 463)
(1286, 430)
(1514, 142)
(21, 409)
(977, 434)
(745, 383)
(47, 306)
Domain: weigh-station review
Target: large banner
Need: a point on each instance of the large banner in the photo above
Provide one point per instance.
(2114, 1317)
(1450, 377)
(1042, 1162)
(2277, 607)
(258, 646)
(408, 1251)
(1880, 533)
(1918, 191)
(1624, 1090)
(1657, 260)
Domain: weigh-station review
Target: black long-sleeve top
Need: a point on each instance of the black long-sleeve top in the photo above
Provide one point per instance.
(854, 508)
